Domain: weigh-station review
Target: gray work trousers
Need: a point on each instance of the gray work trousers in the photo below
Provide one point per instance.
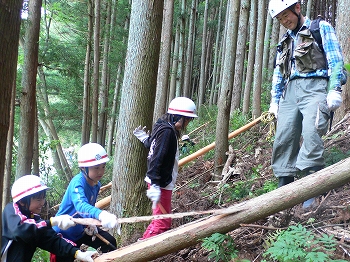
(303, 112)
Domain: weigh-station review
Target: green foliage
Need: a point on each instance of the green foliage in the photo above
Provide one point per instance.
(220, 246)
(299, 244)
(334, 155)
(41, 256)
(347, 67)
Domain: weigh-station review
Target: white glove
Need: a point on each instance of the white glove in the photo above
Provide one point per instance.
(273, 109)
(141, 133)
(85, 256)
(63, 222)
(153, 193)
(107, 219)
(334, 100)
(185, 137)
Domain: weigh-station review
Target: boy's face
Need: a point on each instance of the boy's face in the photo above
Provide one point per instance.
(36, 205)
(97, 172)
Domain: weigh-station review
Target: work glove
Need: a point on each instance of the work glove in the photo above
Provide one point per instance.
(63, 222)
(141, 133)
(273, 109)
(334, 100)
(107, 219)
(185, 138)
(153, 193)
(85, 256)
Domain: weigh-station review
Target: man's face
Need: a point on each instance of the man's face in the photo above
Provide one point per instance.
(288, 19)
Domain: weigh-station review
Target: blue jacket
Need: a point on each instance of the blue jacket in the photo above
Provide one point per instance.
(79, 201)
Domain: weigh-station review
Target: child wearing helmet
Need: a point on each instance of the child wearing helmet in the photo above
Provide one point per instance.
(162, 159)
(23, 230)
(80, 198)
(302, 95)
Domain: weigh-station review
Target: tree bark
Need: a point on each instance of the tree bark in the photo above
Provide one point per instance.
(28, 93)
(251, 57)
(343, 34)
(86, 118)
(137, 104)
(243, 213)
(164, 60)
(258, 66)
(10, 21)
(224, 105)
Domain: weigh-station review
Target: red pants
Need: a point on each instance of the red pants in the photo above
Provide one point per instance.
(159, 226)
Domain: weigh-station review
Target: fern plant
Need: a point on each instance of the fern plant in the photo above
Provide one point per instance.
(220, 246)
(297, 244)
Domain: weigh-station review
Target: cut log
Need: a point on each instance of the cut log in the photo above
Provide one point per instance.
(244, 213)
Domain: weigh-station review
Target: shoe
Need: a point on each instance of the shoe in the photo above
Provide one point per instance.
(284, 180)
(309, 203)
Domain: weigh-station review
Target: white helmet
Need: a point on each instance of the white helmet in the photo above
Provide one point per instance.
(278, 6)
(182, 106)
(25, 186)
(92, 154)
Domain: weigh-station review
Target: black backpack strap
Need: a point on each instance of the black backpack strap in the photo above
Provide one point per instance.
(315, 31)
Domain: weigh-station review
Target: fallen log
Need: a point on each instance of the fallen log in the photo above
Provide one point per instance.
(244, 213)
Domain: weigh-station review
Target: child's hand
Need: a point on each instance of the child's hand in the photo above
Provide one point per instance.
(63, 222)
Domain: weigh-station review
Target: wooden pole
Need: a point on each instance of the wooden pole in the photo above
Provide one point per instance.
(243, 213)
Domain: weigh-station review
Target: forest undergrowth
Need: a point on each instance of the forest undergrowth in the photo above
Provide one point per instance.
(326, 225)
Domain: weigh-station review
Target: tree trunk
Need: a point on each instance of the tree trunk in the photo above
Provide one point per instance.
(175, 60)
(10, 21)
(189, 52)
(105, 78)
(240, 55)
(251, 57)
(179, 75)
(243, 213)
(343, 34)
(27, 95)
(86, 121)
(164, 60)
(137, 104)
(224, 105)
(96, 72)
(259, 59)
(217, 49)
(6, 189)
(203, 75)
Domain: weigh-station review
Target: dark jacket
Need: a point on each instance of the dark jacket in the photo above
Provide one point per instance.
(162, 146)
(28, 231)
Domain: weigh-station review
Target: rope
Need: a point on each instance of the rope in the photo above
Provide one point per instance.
(269, 118)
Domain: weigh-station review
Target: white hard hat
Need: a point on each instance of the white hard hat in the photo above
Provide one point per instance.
(182, 106)
(25, 186)
(92, 154)
(278, 6)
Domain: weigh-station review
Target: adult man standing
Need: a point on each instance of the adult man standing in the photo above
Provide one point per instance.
(306, 88)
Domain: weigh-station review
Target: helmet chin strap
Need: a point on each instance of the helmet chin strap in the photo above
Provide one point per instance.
(86, 173)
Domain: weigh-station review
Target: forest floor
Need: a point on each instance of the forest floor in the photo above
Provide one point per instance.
(197, 189)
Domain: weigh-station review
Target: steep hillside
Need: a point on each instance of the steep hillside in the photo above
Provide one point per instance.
(250, 175)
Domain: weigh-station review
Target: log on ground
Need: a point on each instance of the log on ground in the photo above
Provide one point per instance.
(242, 213)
